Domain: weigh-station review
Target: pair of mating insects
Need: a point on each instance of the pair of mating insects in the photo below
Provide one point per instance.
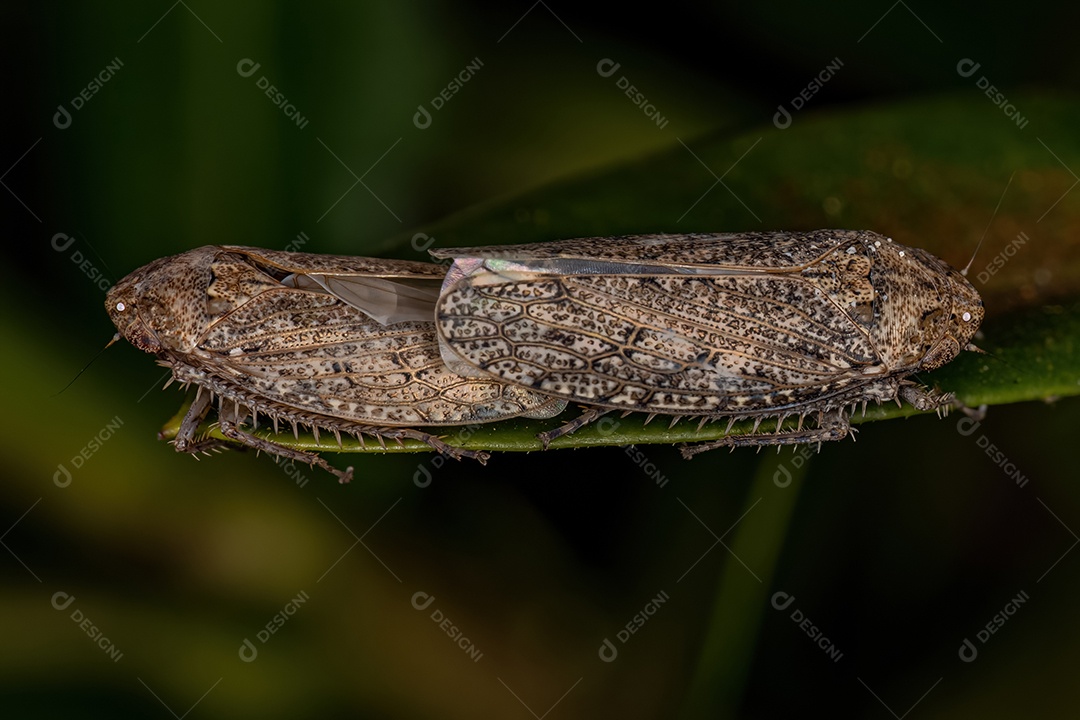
(737, 326)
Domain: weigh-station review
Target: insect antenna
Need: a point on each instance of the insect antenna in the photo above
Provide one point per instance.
(987, 353)
(96, 356)
(967, 267)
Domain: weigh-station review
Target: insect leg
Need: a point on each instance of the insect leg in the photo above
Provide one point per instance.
(230, 429)
(923, 399)
(435, 443)
(590, 415)
(832, 426)
(185, 441)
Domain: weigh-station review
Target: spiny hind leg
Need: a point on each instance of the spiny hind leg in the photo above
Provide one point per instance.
(229, 420)
(832, 425)
(230, 429)
(434, 442)
(231, 416)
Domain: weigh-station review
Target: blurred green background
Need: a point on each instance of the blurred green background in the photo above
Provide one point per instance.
(603, 582)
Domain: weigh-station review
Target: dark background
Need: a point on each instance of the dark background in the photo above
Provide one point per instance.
(897, 547)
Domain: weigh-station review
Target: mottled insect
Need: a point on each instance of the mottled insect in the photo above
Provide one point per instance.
(342, 344)
(735, 326)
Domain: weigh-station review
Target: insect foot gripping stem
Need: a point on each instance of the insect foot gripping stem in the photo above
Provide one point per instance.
(832, 425)
(590, 415)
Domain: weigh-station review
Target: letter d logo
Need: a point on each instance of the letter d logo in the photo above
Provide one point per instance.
(62, 118)
(422, 483)
(62, 477)
(967, 67)
(247, 68)
(607, 67)
(607, 425)
(421, 600)
(782, 477)
(422, 241)
(61, 600)
(248, 651)
(422, 118)
(966, 425)
(64, 243)
(781, 600)
(782, 118)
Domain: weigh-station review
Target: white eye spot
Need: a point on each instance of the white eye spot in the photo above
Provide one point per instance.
(966, 317)
(120, 307)
(901, 253)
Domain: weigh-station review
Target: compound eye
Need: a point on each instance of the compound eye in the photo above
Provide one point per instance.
(120, 307)
(966, 317)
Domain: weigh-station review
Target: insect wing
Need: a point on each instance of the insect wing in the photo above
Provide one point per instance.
(302, 340)
(388, 291)
(696, 253)
(662, 325)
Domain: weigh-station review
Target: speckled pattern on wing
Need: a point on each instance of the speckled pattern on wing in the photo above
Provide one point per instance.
(769, 251)
(214, 310)
(338, 264)
(226, 319)
(716, 325)
(314, 353)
